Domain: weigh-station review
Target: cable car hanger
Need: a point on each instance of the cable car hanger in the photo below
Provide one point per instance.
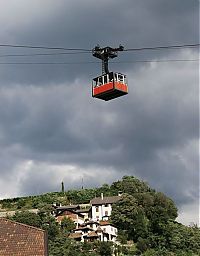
(109, 85)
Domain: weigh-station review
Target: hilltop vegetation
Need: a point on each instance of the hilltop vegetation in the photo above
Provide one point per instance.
(74, 196)
(145, 218)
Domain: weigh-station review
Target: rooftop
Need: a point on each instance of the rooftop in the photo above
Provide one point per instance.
(105, 200)
(20, 239)
(75, 235)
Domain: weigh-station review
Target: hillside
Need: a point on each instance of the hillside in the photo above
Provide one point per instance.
(73, 196)
(145, 218)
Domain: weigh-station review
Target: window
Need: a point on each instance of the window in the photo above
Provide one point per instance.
(106, 213)
(99, 81)
(111, 77)
(97, 209)
(121, 78)
(104, 79)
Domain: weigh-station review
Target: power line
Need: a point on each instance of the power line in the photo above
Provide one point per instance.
(43, 47)
(41, 54)
(170, 60)
(96, 62)
(89, 50)
(164, 47)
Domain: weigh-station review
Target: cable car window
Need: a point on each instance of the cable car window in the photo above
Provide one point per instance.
(116, 77)
(105, 79)
(120, 78)
(99, 81)
(125, 80)
(111, 77)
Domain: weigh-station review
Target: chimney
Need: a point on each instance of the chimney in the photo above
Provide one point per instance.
(101, 196)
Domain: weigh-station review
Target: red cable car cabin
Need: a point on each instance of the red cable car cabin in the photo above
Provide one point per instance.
(109, 86)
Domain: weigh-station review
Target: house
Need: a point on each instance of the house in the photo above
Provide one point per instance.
(73, 212)
(91, 223)
(102, 207)
(109, 232)
(92, 230)
(20, 239)
(81, 233)
(68, 212)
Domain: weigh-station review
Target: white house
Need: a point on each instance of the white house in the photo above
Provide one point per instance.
(92, 230)
(102, 207)
(92, 223)
(109, 232)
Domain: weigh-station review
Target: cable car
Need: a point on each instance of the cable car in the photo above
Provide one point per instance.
(109, 85)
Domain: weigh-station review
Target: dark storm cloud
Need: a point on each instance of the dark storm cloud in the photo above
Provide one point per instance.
(51, 127)
(86, 23)
(141, 134)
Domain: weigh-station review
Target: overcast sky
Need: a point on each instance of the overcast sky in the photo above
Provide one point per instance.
(52, 130)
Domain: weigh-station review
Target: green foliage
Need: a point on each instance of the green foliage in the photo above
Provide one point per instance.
(63, 246)
(142, 244)
(105, 249)
(127, 215)
(41, 220)
(28, 218)
(130, 185)
(67, 225)
(148, 217)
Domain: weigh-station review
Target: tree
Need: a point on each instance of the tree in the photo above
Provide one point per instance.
(127, 215)
(62, 187)
(130, 185)
(21, 203)
(162, 210)
(28, 218)
(105, 249)
(142, 244)
(67, 225)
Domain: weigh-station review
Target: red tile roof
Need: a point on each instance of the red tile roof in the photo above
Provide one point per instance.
(104, 222)
(92, 234)
(75, 235)
(20, 240)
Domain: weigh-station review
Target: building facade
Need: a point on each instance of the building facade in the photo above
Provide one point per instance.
(102, 207)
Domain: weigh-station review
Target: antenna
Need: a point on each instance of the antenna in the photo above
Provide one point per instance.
(82, 183)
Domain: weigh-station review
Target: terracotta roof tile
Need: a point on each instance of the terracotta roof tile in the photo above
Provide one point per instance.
(99, 229)
(104, 223)
(92, 234)
(75, 235)
(20, 239)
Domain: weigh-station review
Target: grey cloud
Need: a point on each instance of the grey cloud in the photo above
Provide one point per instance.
(59, 125)
(47, 114)
(84, 24)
